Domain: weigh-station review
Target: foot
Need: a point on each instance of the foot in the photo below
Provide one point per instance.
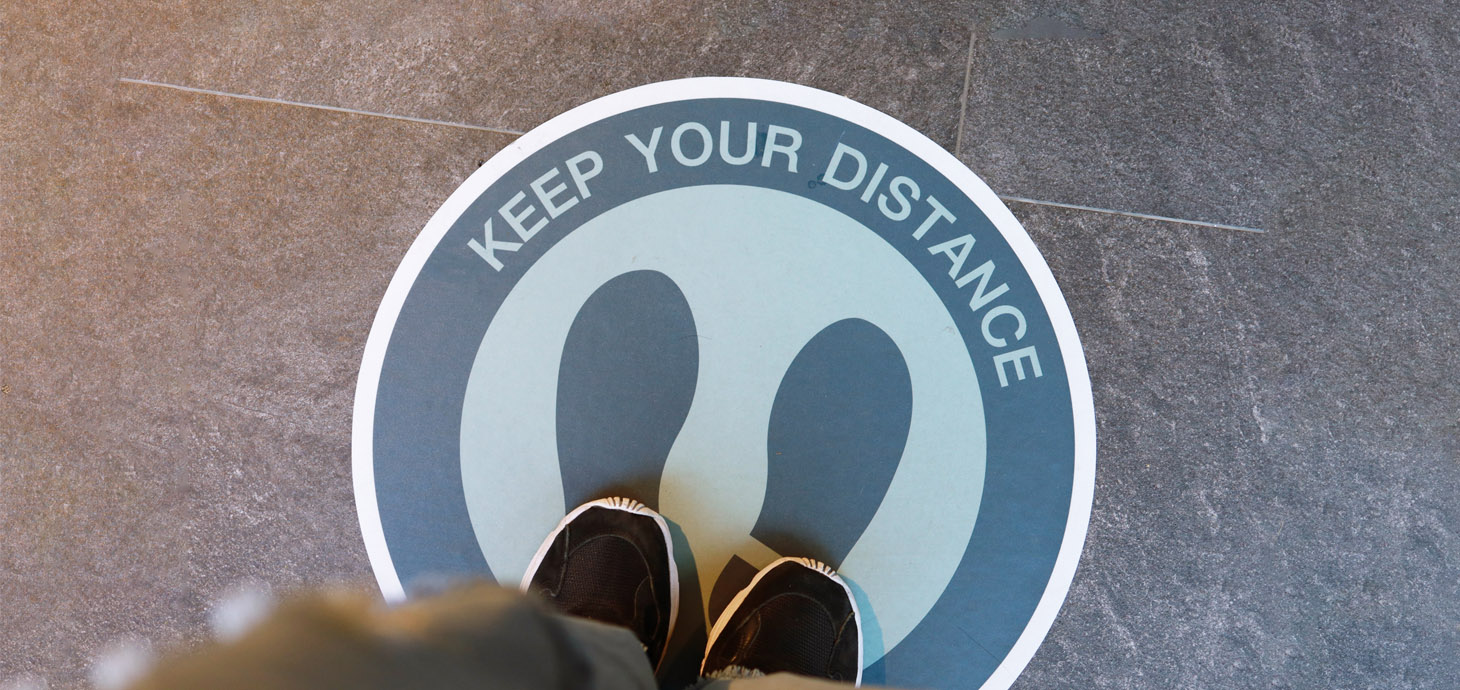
(797, 616)
(612, 560)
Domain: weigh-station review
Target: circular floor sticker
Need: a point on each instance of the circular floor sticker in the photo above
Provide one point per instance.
(788, 322)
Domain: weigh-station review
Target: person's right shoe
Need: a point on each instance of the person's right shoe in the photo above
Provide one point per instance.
(612, 560)
(796, 616)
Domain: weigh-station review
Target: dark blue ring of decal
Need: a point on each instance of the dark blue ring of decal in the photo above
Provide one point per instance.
(1030, 462)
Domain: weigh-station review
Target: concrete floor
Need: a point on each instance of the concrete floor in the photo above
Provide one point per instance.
(186, 282)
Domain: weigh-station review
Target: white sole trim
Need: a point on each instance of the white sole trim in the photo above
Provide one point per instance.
(627, 505)
(739, 599)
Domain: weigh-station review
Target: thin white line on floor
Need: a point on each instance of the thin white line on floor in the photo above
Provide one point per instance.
(316, 106)
(1131, 214)
(513, 132)
(963, 100)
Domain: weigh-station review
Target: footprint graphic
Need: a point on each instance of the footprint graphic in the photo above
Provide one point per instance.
(837, 431)
(784, 406)
(625, 384)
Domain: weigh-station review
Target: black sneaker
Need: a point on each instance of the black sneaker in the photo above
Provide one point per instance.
(612, 560)
(798, 616)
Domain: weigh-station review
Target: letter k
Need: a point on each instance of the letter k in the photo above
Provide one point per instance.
(488, 251)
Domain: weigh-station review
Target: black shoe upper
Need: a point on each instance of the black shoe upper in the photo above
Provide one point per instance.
(611, 566)
(793, 619)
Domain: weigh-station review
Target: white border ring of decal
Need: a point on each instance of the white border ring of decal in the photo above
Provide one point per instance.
(1082, 403)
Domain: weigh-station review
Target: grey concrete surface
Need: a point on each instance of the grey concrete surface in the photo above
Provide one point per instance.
(511, 64)
(1276, 501)
(186, 283)
(1243, 113)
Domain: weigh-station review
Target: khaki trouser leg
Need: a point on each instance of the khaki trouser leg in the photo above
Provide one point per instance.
(478, 637)
(776, 681)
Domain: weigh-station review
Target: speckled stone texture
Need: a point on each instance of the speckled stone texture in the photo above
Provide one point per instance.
(186, 283)
(1278, 497)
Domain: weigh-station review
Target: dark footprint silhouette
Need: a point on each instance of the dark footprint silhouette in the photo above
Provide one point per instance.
(625, 384)
(837, 431)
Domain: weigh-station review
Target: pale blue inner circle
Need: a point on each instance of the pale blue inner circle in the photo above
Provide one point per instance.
(763, 272)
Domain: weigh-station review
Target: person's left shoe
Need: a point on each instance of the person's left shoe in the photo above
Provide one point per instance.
(612, 561)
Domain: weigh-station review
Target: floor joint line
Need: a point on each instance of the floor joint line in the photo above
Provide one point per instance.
(958, 142)
(963, 100)
(317, 106)
(1131, 214)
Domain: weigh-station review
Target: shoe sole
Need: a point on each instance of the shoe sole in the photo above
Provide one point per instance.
(740, 596)
(627, 505)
